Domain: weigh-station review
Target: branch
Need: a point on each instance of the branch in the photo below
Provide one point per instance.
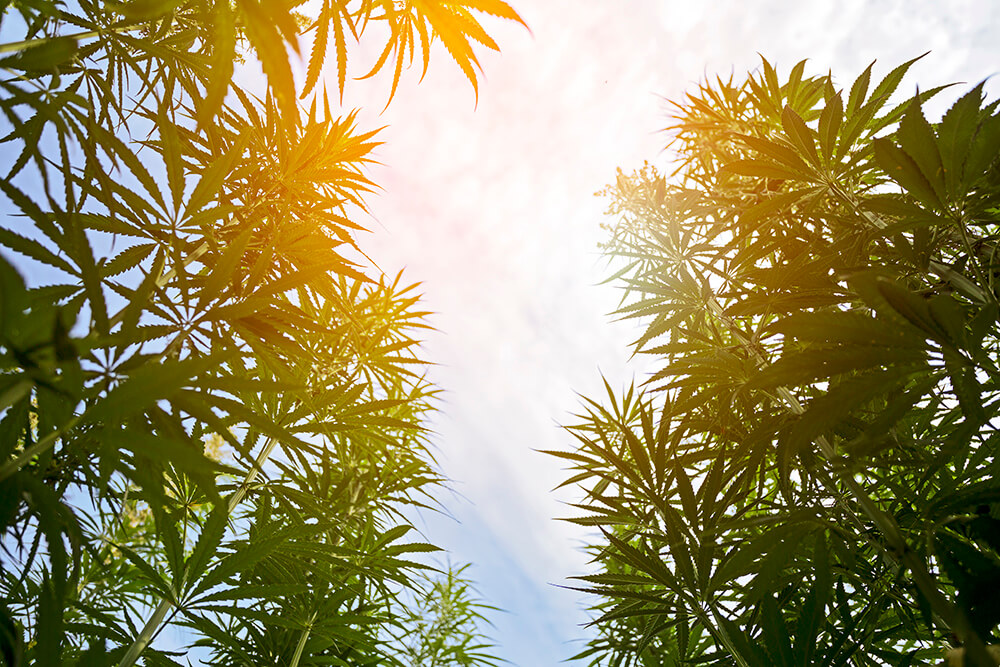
(14, 47)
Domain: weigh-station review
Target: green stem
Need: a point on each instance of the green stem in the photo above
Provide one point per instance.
(251, 475)
(13, 47)
(300, 647)
(146, 635)
(154, 622)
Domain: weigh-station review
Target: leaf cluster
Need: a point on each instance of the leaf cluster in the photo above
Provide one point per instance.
(808, 476)
(211, 415)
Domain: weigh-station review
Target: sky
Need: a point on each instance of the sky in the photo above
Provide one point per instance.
(491, 207)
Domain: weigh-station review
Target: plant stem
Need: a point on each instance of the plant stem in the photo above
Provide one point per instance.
(300, 647)
(13, 47)
(146, 635)
(251, 475)
(154, 622)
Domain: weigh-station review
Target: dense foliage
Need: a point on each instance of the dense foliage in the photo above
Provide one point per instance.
(210, 416)
(809, 477)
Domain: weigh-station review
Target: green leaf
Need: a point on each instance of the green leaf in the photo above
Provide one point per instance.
(751, 652)
(982, 154)
(859, 91)
(905, 171)
(955, 133)
(35, 250)
(50, 630)
(224, 269)
(90, 275)
(172, 155)
(147, 569)
(146, 385)
(890, 83)
(11, 640)
(208, 543)
(13, 298)
(830, 121)
(128, 259)
(916, 138)
(813, 613)
(800, 135)
(828, 410)
(223, 58)
(912, 308)
(816, 365)
(776, 636)
(267, 41)
(139, 299)
(764, 169)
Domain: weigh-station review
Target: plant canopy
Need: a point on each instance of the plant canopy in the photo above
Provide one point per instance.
(809, 476)
(211, 415)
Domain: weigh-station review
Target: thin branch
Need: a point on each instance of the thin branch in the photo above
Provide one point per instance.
(14, 47)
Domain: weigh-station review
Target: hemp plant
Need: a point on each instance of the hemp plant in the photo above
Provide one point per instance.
(809, 475)
(211, 405)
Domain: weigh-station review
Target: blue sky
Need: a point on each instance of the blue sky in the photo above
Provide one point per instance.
(492, 209)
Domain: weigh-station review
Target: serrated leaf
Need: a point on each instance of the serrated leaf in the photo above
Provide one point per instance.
(224, 269)
(35, 251)
(127, 259)
(955, 133)
(859, 91)
(830, 121)
(917, 139)
(912, 308)
(146, 385)
(267, 41)
(800, 134)
(764, 169)
(130, 314)
(328, 14)
(171, 150)
(903, 169)
(775, 632)
(208, 543)
(222, 58)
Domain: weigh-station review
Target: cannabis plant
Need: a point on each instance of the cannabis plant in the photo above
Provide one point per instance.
(211, 406)
(440, 626)
(809, 476)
